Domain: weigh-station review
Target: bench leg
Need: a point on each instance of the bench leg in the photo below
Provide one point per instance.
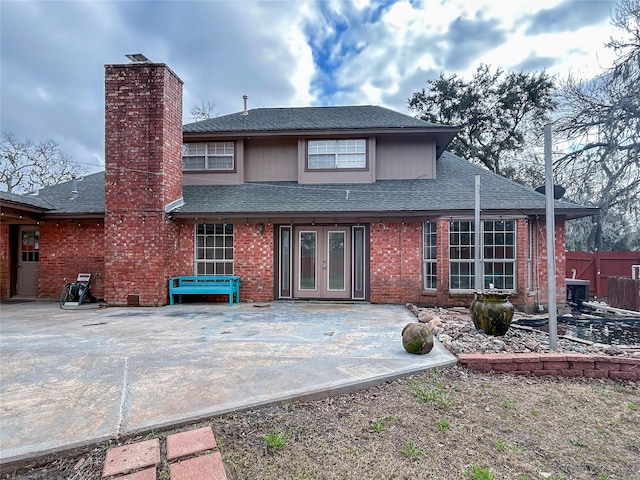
(170, 298)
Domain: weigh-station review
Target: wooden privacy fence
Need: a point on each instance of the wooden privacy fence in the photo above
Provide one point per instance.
(599, 266)
(624, 293)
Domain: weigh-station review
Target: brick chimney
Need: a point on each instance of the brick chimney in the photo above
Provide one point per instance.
(143, 173)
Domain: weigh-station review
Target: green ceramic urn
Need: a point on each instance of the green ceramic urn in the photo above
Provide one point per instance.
(492, 312)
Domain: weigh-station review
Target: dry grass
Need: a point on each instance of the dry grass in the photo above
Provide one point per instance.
(449, 424)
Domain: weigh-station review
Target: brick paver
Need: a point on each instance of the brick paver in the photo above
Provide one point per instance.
(148, 474)
(131, 457)
(205, 467)
(190, 442)
(136, 456)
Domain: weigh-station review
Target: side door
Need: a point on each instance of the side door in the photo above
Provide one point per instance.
(28, 261)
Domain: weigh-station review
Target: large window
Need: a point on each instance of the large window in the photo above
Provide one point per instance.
(498, 249)
(430, 252)
(332, 154)
(214, 249)
(208, 156)
(461, 255)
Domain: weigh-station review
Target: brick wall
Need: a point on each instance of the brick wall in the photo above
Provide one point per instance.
(5, 261)
(143, 173)
(254, 261)
(396, 262)
(67, 249)
(568, 365)
(524, 298)
(539, 259)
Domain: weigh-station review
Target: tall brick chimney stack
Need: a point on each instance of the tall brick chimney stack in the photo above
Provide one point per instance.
(143, 174)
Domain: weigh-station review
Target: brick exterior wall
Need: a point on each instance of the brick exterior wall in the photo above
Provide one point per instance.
(143, 173)
(5, 261)
(396, 262)
(254, 261)
(396, 265)
(67, 249)
(540, 261)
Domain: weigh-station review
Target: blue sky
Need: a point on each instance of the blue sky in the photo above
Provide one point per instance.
(279, 53)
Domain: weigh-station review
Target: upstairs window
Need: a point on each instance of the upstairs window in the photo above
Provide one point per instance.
(208, 156)
(334, 154)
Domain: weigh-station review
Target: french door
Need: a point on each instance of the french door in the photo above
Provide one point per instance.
(323, 262)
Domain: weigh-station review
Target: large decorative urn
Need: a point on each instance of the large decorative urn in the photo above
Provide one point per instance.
(491, 312)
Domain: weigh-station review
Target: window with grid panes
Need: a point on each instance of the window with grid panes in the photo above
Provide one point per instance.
(430, 251)
(214, 249)
(208, 156)
(332, 154)
(498, 251)
(461, 255)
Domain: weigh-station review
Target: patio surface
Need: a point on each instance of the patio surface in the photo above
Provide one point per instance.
(70, 378)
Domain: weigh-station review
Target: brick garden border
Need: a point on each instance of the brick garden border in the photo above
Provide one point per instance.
(554, 364)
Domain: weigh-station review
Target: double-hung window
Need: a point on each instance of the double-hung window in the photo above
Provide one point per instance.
(334, 154)
(429, 252)
(214, 249)
(498, 254)
(208, 156)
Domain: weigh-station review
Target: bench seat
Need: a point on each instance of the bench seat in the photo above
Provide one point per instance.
(205, 285)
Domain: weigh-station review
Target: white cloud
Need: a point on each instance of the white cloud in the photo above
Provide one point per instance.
(279, 53)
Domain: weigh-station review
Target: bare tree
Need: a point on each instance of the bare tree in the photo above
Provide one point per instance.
(203, 112)
(26, 166)
(600, 120)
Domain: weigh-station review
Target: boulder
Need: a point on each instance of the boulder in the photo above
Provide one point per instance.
(435, 325)
(417, 338)
(425, 316)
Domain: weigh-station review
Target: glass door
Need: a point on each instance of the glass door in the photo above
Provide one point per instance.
(322, 263)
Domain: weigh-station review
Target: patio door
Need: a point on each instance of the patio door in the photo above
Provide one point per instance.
(322, 262)
(28, 262)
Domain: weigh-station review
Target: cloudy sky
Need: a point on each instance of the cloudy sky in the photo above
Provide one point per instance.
(279, 53)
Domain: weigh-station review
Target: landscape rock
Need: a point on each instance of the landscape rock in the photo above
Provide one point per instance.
(425, 316)
(435, 325)
(458, 335)
(417, 338)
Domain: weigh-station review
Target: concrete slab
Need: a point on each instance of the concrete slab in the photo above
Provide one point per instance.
(71, 378)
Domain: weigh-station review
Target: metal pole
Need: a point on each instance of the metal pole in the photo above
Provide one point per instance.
(551, 240)
(476, 258)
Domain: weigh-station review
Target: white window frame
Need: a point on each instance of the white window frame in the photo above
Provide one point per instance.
(214, 249)
(489, 256)
(333, 154)
(214, 156)
(429, 255)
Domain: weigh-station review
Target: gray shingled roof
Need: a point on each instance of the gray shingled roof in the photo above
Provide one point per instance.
(26, 200)
(309, 118)
(452, 191)
(90, 199)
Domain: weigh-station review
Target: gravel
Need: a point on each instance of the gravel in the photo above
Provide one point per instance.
(454, 328)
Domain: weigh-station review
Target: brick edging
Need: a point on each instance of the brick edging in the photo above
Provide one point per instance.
(555, 364)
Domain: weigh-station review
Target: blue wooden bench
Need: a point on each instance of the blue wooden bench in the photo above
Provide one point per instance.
(205, 285)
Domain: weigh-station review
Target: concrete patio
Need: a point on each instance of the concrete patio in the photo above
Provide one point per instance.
(75, 377)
